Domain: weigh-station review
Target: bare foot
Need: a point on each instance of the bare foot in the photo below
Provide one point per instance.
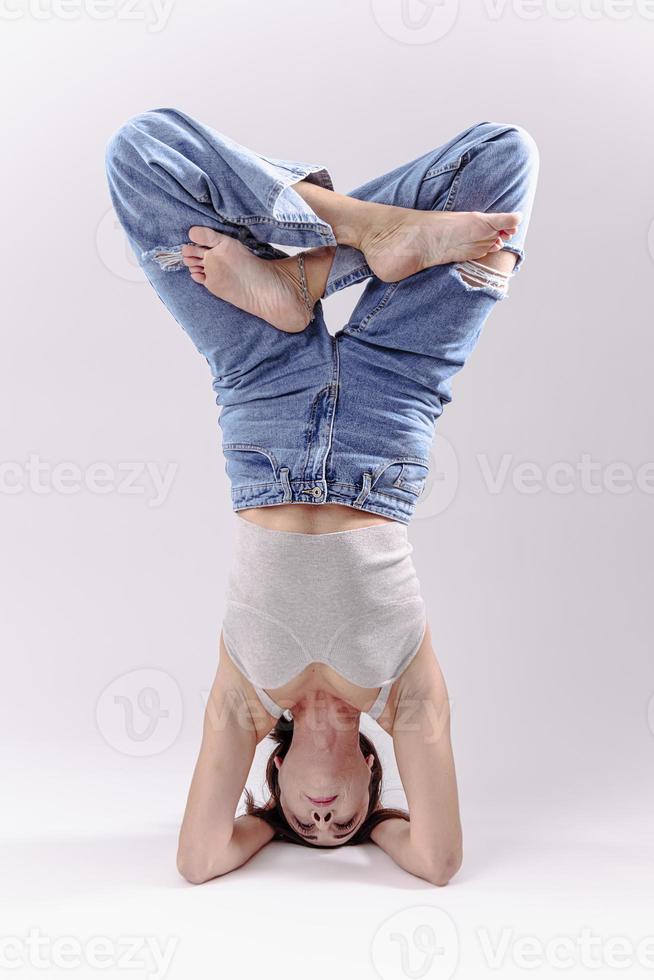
(408, 241)
(268, 288)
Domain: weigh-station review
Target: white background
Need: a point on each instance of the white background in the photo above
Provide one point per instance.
(540, 602)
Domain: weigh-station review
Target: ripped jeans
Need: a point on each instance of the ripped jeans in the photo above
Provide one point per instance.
(312, 417)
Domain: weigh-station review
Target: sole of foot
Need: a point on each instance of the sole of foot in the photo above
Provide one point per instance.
(411, 241)
(266, 288)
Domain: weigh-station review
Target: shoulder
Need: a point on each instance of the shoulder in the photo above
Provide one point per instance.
(421, 679)
(232, 684)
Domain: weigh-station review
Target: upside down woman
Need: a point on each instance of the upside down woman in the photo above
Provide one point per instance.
(326, 440)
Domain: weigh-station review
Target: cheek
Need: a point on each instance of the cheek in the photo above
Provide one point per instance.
(287, 786)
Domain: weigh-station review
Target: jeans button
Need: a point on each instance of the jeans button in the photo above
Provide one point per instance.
(317, 491)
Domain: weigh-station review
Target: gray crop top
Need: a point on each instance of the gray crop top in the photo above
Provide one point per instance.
(350, 599)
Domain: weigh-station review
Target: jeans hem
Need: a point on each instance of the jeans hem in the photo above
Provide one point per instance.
(349, 279)
(303, 215)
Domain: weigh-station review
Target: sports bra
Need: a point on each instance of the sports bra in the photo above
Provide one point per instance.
(349, 599)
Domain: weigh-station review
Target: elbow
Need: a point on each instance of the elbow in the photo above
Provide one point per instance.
(192, 873)
(441, 869)
(197, 863)
(193, 868)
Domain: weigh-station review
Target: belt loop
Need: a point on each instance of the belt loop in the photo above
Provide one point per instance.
(365, 489)
(286, 486)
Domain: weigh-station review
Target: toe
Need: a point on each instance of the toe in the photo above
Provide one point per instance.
(191, 261)
(505, 221)
(198, 277)
(204, 236)
(193, 252)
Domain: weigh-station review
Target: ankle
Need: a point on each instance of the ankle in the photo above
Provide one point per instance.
(317, 266)
(348, 217)
(359, 220)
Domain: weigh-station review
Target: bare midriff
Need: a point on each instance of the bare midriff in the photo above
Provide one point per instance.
(311, 519)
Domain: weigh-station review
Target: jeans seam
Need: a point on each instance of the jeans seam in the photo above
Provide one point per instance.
(439, 171)
(309, 435)
(380, 306)
(334, 390)
(451, 197)
(252, 486)
(256, 219)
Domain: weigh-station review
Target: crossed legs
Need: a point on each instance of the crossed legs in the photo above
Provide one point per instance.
(446, 213)
(396, 242)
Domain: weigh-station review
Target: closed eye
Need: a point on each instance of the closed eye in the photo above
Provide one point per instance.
(305, 828)
(345, 826)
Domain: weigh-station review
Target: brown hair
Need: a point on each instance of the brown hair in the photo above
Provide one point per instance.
(272, 813)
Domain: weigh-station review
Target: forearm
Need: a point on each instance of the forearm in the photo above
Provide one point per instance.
(432, 841)
(208, 827)
(249, 835)
(394, 837)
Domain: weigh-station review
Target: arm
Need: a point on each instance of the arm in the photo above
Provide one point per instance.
(211, 841)
(430, 844)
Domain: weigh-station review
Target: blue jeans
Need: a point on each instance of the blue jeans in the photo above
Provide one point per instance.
(309, 417)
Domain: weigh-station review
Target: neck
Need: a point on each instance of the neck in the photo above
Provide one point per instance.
(323, 722)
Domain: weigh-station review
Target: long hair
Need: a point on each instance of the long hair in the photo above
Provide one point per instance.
(272, 813)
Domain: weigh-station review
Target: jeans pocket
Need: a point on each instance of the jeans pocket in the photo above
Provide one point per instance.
(406, 473)
(248, 465)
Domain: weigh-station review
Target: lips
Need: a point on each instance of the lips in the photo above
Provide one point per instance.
(322, 800)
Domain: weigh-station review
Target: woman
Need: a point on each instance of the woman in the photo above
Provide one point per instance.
(326, 440)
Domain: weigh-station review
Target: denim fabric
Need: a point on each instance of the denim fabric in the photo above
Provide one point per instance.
(309, 417)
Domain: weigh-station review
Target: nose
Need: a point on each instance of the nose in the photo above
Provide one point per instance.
(322, 818)
(319, 814)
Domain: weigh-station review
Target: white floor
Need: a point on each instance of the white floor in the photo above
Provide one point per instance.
(90, 888)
